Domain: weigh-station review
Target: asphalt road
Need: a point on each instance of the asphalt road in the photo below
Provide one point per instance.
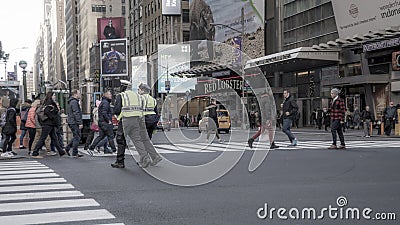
(366, 174)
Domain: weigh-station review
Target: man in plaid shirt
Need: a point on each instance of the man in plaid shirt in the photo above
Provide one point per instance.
(338, 110)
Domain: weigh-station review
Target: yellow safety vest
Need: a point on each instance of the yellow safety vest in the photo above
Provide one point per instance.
(131, 104)
(149, 103)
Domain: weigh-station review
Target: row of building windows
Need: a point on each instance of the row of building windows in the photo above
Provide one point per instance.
(310, 31)
(311, 41)
(293, 7)
(103, 9)
(310, 16)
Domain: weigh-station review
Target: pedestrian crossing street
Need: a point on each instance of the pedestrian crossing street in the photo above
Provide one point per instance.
(239, 146)
(32, 193)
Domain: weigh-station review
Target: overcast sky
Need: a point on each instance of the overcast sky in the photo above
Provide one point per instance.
(19, 24)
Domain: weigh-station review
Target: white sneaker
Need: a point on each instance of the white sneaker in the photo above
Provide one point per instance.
(7, 155)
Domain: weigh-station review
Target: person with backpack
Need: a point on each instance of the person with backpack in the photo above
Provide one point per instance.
(47, 115)
(59, 132)
(213, 120)
(10, 129)
(149, 110)
(75, 122)
(38, 128)
(24, 115)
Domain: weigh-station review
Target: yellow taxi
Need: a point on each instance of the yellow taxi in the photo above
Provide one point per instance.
(224, 121)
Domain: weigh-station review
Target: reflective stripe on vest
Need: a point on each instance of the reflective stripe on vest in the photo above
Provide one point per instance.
(131, 104)
(149, 104)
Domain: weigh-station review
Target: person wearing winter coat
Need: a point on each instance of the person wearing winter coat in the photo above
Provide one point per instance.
(10, 129)
(49, 124)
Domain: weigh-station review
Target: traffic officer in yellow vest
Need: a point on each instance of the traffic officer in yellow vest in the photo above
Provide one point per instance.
(120, 162)
(134, 127)
(149, 109)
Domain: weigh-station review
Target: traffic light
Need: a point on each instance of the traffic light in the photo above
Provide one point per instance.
(167, 85)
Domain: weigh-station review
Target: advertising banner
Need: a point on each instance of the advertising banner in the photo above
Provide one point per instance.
(204, 13)
(113, 57)
(396, 61)
(171, 7)
(11, 76)
(110, 28)
(171, 59)
(139, 71)
(361, 16)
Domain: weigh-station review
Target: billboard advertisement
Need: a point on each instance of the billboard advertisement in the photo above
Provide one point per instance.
(110, 28)
(171, 59)
(139, 71)
(11, 76)
(204, 13)
(171, 7)
(396, 61)
(113, 57)
(361, 16)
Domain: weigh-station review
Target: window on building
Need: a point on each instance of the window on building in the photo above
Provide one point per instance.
(185, 15)
(141, 28)
(140, 11)
(110, 8)
(152, 7)
(141, 44)
(354, 69)
(122, 1)
(123, 10)
(186, 36)
(145, 11)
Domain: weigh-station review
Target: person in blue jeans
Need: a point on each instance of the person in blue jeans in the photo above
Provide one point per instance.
(290, 109)
(75, 122)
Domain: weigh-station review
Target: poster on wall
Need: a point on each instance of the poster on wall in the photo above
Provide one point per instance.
(362, 16)
(139, 71)
(210, 20)
(171, 7)
(171, 59)
(113, 57)
(110, 28)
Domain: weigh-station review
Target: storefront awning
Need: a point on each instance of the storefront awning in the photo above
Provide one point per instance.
(297, 59)
(357, 80)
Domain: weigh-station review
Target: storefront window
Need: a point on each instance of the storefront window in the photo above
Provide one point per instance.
(354, 69)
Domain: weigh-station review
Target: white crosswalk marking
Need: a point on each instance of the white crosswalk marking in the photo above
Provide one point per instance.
(32, 193)
(238, 146)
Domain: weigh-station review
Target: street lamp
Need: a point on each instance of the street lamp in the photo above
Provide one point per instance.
(241, 60)
(23, 64)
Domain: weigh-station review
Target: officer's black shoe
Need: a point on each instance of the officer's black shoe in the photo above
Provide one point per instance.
(250, 142)
(273, 145)
(118, 165)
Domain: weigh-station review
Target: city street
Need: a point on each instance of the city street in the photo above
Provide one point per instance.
(89, 191)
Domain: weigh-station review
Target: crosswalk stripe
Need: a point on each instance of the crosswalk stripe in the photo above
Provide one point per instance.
(40, 195)
(203, 147)
(20, 163)
(40, 205)
(35, 187)
(112, 224)
(25, 171)
(34, 175)
(24, 168)
(57, 217)
(32, 181)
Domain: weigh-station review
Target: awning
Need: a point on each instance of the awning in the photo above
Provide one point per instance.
(297, 59)
(358, 80)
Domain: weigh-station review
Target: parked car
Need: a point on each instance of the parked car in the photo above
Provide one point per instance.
(164, 124)
(224, 121)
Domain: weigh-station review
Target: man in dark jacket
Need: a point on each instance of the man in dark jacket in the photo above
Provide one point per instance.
(319, 116)
(289, 108)
(121, 141)
(390, 118)
(105, 122)
(367, 117)
(9, 129)
(74, 122)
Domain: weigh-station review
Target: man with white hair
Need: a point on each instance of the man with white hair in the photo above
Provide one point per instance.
(338, 110)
